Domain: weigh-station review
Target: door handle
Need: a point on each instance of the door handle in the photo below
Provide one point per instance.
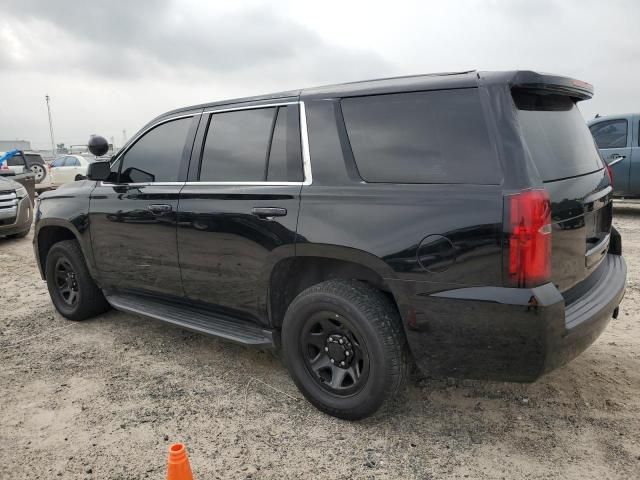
(159, 208)
(268, 212)
(615, 158)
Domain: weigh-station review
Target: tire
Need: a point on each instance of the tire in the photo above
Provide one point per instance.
(84, 298)
(327, 321)
(39, 171)
(79, 177)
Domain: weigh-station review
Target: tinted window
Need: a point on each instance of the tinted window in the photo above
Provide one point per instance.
(425, 137)
(285, 158)
(610, 134)
(16, 161)
(556, 136)
(235, 148)
(31, 158)
(58, 162)
(157, 155)
(71, 162)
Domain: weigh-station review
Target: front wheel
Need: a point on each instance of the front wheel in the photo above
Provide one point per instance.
(73, 292)
(344, 347)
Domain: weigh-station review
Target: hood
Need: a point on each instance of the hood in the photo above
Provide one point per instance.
(8, 184)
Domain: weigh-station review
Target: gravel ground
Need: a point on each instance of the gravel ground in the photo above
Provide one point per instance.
(104, 398)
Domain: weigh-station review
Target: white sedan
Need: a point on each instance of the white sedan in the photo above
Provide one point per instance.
(68, 168)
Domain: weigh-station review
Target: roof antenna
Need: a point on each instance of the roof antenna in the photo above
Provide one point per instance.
(597, 115)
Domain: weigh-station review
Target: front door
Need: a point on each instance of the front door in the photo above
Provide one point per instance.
(238, 216)
(613, 137)
(133, 217)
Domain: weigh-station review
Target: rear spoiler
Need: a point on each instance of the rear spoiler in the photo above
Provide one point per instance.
(552, 84)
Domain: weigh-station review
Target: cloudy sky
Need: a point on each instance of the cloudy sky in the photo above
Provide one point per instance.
(112, 65)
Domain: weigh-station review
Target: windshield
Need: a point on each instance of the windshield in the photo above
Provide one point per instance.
(556, 135)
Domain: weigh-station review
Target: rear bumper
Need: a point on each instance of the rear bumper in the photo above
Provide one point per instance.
(506, 333)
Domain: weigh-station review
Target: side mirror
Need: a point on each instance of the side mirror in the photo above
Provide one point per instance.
(98, 145)
(99, 171)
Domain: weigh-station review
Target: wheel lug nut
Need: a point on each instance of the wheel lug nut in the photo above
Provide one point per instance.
(347, 353)
(326, 349)
(340, 341)
(342, 364)
(333, 361)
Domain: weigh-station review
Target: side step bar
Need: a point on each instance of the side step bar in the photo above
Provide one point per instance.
(194, 319)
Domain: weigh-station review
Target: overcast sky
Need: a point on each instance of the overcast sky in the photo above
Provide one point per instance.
(113, 65)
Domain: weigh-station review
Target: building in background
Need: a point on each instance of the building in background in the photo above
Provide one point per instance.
(6, 145)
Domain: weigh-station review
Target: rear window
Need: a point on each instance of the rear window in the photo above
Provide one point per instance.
(556, 135)
(422, 137)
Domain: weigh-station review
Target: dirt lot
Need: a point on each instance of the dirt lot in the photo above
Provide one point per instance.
(105, 397)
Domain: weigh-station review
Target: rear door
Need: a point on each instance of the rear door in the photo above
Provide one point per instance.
(573, 174)
(239, 211)
(613, 137)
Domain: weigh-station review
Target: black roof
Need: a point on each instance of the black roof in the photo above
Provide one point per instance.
(434, 81)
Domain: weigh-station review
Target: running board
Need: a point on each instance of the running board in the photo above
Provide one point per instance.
(194, 319)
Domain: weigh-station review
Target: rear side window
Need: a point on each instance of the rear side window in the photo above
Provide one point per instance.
(156, 156)
(610, 134)
(424, 137)
(285, 156)
(71, 162)
(235, 149)
(58, 162)
(556, 135)
(16, 161)
(254, 145)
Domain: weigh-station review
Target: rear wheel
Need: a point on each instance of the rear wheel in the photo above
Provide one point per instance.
(344, 347)
(73, 292)
(80, 177)
(39, 172)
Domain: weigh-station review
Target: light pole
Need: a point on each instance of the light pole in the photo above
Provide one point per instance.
(53, 143)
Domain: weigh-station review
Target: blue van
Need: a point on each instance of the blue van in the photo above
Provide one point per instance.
(619, 145)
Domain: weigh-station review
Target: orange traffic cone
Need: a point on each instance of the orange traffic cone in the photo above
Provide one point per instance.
(178, 467)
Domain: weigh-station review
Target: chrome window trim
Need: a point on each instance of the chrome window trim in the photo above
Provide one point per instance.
(248, 107)
(304, 139)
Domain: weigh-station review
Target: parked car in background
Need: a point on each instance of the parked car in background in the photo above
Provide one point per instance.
(34, 163)
(68, 168)
(16, 209)
(618, 140)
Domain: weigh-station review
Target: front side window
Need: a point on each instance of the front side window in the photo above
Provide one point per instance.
(423, 137)
(157, 155)
(610, 134)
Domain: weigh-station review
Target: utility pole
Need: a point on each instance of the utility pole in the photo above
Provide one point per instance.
(53, 143)
(124, 136)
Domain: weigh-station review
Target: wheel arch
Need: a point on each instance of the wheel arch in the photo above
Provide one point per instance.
(51, 231)
(312, 264)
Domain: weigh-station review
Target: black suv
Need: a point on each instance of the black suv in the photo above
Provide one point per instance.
(459, 221)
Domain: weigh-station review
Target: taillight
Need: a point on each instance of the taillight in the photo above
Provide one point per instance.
(610, 172)
(528, 228)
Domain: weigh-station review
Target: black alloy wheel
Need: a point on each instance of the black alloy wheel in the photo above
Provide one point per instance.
(344, 346)
(73, 292)
(66, 282)
(334, 353)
